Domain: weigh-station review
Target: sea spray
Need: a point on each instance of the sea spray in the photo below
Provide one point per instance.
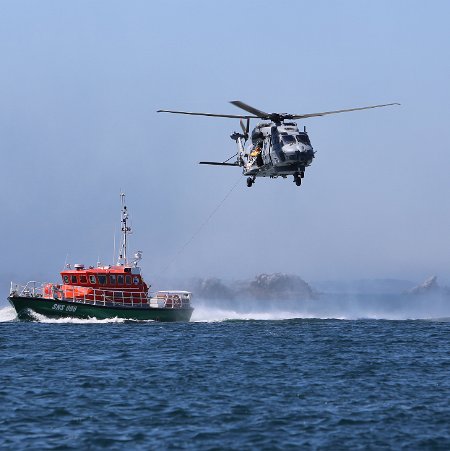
(326, 306)
(329, 306)
(7, 314)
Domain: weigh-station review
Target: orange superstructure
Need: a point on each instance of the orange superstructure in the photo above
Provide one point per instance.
(116, 282)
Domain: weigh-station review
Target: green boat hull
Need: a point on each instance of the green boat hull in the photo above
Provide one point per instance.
(25, 306)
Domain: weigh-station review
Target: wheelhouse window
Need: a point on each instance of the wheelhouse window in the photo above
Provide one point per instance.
(120, 280)
(102, 280)
(66, 279)
(73, 278)
(83, 279)
(136, 280)
(112, 279)
(92, 279)
(128, 280)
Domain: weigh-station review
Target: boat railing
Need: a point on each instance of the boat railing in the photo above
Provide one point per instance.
(103, 297)
(30, 289)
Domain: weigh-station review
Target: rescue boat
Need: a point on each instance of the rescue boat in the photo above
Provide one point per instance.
(117, 291)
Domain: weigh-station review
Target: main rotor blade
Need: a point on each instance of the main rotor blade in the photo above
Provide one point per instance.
(233, 116)
(303, 116)
(249, 109)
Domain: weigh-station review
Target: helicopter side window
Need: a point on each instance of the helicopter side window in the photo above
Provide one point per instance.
(303, 139)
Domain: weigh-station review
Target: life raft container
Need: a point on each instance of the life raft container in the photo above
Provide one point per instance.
(74, 292)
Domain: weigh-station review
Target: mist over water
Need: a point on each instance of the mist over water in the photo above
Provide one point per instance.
(327, 306)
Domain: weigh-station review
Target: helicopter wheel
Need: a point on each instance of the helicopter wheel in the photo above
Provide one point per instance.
(302, 174)
(297, 179)
(250, 182)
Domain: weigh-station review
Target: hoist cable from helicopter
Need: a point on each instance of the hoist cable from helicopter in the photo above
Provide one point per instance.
(226, 161)
(201, 227)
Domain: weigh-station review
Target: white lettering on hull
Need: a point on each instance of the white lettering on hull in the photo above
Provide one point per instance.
(62, 308)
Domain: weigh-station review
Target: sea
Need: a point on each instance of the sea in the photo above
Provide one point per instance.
(229, 379)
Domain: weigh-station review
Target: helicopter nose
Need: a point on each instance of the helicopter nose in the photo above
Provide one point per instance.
(305, 153)
(291, 151)
(309, 154)
(291, 148)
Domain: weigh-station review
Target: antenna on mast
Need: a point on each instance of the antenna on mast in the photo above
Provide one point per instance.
(114, 248)
(126, 230)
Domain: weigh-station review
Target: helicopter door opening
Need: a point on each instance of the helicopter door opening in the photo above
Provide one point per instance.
(279, 156)
(266, 150)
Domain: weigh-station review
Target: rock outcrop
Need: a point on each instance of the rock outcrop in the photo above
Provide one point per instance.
(429, 286)
(262, 287)
(278, 286)
(213, 289)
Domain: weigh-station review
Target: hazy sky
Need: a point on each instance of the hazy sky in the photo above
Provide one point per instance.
(80, 83)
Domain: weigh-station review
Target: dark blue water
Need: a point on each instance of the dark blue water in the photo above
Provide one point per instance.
(257, 384)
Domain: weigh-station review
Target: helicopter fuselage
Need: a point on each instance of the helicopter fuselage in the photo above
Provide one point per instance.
(276, 149)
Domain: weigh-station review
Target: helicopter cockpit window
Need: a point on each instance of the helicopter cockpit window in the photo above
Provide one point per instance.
(303, 138)
(288, 139)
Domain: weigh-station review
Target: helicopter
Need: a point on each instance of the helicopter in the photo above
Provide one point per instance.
(276, 148)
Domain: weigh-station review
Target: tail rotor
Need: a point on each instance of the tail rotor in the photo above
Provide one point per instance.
(245, 127)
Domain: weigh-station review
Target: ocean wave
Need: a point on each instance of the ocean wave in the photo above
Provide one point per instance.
(214, 315)
(327, 306)
(8, 314)
(210, 314)
(70, 320)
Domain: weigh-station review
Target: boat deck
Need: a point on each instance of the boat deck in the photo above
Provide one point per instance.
(98, 297)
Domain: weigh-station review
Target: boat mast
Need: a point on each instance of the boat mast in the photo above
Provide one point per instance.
(126, 229)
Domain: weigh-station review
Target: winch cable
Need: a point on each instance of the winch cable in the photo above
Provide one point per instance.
(201, 227)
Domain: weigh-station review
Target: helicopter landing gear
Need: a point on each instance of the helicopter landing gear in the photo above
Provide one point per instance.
(250, 181)
(298, 179)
